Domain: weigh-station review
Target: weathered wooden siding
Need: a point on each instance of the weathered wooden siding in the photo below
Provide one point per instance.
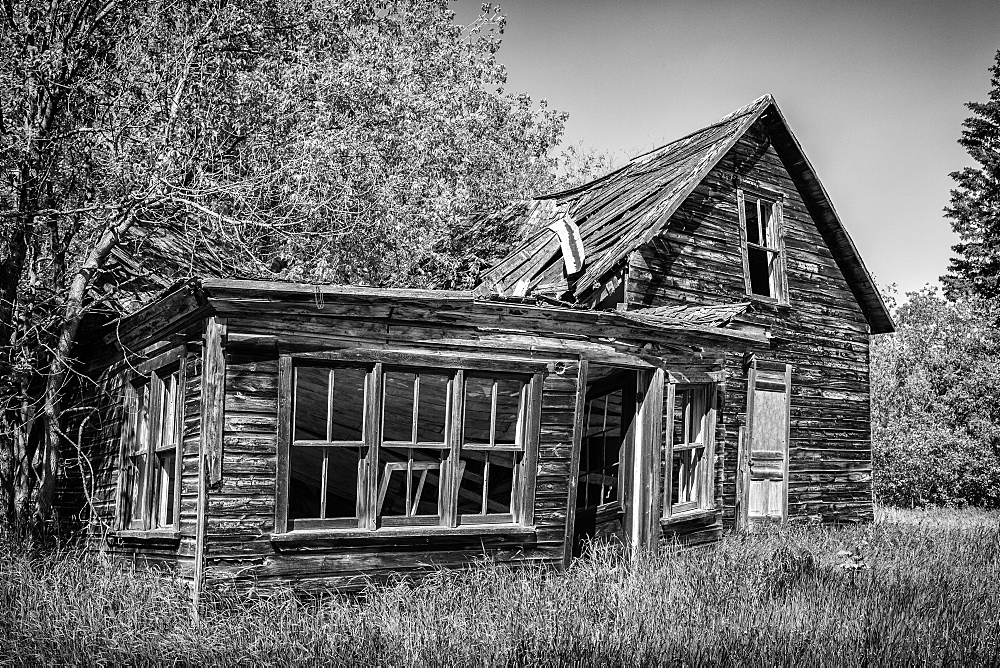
(824, 334)
(98, 417)
(239, 550)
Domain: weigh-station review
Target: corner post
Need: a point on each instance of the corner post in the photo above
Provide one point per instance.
(213, 393)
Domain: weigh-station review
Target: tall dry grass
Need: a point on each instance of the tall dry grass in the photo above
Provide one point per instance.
(914, 588)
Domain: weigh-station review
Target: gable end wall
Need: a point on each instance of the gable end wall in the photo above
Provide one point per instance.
(697, 259)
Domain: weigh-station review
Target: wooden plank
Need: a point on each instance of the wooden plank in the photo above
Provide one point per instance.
(652, 430)
(284, 437)
(213, 396)
(534, 414)
(574, 468)
(788, 438)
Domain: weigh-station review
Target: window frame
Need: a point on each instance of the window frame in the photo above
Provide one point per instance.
(382, 362)
(774, 248)
(153, 376)
(706, 489)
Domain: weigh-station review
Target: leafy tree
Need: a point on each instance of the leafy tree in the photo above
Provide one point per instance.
(936, 404)
(975, 203)
(325, 140)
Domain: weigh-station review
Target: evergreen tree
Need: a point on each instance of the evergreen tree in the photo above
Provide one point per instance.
(975, 203)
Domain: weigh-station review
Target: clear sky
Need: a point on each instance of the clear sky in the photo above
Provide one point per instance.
(874, 90)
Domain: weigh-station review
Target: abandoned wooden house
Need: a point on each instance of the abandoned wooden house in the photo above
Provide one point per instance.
(677, 347)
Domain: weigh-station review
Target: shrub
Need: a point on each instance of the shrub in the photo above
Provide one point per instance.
(936, 404)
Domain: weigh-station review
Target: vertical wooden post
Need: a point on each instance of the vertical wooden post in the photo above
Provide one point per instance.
(284, 436)
(213, 380)
(653, 418)
(530, 457)
(788, 439)
(574, 467)
(743, 455)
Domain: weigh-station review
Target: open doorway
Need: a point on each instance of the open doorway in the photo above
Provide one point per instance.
(605, 453)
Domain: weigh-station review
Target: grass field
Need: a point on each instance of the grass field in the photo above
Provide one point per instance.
(916, 588)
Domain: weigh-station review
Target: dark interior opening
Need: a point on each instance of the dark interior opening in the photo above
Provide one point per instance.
(609, 410)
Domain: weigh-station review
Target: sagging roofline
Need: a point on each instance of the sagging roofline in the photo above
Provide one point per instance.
(184, 303)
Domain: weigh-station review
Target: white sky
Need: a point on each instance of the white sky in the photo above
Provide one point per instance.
(874, 90)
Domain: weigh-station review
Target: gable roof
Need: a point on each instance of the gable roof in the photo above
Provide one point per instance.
(618, 213)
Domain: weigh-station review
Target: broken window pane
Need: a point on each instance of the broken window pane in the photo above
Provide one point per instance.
(305, 486)
(752, 221)
(409, 482)
(343, 469)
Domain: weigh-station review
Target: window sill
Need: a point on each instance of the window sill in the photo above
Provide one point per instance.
(769, 303)
(477, 535)
(689, 516)
(158, 537)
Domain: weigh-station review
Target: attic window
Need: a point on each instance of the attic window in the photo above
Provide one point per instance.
(763, 246)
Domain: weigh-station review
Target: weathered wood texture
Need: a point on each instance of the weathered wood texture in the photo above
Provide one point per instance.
(89, 478)
(240, 513)
(823, 332)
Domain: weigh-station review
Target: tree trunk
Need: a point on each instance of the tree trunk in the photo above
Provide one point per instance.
(49, 451)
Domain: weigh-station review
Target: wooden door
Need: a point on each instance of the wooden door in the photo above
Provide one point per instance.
(763, 448)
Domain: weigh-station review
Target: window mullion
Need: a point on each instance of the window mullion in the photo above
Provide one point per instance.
(368, 484)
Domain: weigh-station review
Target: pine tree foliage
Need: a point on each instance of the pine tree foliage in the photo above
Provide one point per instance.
(975, 204)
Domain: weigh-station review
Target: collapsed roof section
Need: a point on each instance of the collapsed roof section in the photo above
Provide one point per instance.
(627, 208)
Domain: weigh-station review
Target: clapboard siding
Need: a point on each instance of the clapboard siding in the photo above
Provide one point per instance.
(823, 331)
(240, 513)
(91, 499)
